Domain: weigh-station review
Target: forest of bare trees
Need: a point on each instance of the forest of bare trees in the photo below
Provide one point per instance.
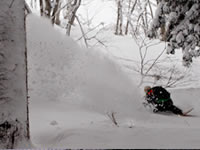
(133, 16)
(53, 10)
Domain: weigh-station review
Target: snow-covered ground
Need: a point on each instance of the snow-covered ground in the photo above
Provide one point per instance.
(74, 90)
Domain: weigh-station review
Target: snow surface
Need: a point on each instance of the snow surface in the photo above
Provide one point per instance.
(73, 90)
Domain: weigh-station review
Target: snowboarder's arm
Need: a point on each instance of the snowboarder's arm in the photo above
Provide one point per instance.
(149, 99)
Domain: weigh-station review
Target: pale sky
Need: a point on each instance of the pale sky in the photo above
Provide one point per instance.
(102, 11)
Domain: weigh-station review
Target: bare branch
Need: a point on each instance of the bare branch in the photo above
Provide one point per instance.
(11, 3)
(112, 118)
(27, 8)
(83, 33)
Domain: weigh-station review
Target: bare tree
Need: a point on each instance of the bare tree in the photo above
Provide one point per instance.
(155, 70)
(41, 8)
(49, 9)
(90, 37)
(139, 14)
(53, 8)
(119, 23)
(56, 13)
(129, 14)
(14, 121)
(72, 8)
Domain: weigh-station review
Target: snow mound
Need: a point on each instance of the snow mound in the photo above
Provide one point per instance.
(62, 72)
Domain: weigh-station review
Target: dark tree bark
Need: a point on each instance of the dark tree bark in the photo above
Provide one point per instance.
(119, 23)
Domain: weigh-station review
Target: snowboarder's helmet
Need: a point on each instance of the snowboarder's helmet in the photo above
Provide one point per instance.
(146, 88)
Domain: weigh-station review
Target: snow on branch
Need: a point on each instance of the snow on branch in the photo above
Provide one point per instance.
(179, 24)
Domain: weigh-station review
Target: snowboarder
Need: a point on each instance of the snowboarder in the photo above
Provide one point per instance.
(160, 99)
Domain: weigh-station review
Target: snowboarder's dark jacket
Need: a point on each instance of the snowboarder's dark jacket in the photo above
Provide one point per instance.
(157, 95)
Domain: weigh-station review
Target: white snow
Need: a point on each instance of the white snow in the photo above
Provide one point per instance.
(73, 90)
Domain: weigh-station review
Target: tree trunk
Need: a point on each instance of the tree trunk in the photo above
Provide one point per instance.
(117, 24)
(163, 32)
(118, 29)
(14, 122)
(47, 8)
(128, 19)
(41, 8)
(74, 7)
(56, 13)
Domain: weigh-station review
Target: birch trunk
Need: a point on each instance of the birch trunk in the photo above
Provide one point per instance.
(14, 122)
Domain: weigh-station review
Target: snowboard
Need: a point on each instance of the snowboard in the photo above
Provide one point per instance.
(186, 113)
(150, 107)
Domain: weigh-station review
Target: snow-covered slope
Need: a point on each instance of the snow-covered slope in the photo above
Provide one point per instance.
(60, 71)
(74, 90)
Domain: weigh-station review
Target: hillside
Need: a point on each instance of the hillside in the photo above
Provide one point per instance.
(73, 90)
